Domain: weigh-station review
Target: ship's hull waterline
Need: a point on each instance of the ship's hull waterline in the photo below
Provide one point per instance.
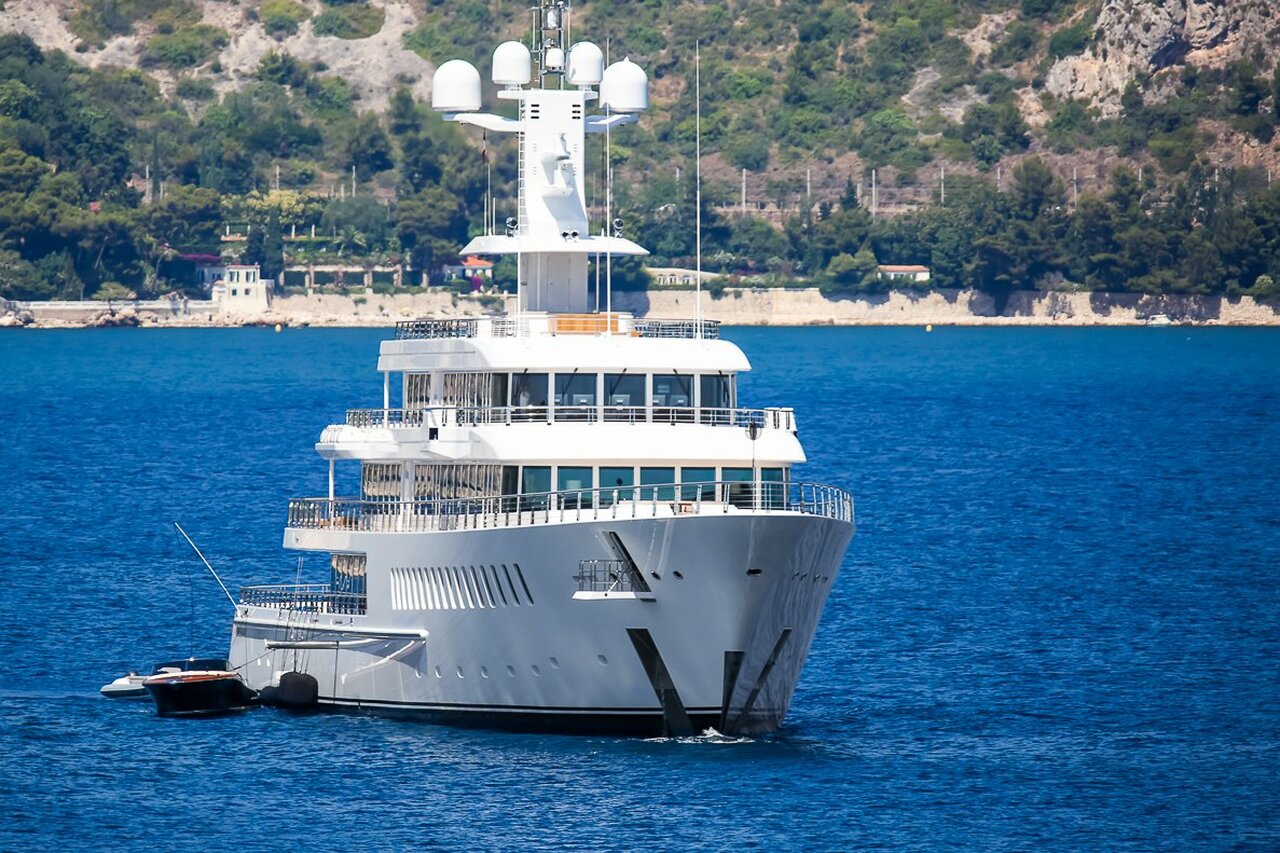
(482, 627)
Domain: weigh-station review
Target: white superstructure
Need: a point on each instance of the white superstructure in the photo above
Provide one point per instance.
(564, 520)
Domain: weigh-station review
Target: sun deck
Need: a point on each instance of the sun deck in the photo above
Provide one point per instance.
(541, 324)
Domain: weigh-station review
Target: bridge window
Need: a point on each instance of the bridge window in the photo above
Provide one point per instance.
(529, 389)
(575, 390)
(715, 392)
(672, 390)
(624, 397)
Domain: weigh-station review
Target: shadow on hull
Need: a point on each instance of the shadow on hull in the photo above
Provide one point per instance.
(646, 724)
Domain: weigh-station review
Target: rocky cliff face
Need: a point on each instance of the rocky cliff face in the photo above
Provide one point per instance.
(374, 66)
(1135, 38)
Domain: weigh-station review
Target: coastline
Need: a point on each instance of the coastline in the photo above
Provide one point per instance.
(735, 307)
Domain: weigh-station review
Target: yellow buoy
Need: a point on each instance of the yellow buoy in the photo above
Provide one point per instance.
(279, 328)
(928, 327)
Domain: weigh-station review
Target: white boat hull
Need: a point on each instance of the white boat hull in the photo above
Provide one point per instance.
(735, 603)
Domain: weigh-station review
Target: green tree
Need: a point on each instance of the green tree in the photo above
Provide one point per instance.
(362, 214)
(186, 217)
(402, 112)
(369, 149)
(419, 161)
(432, 226)
(20, 280)
(282, 69)
(848, 273)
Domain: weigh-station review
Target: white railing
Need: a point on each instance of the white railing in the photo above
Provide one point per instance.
(385, 417)
(567, 506)
(541, 324)
(771, 418)
(304, 597)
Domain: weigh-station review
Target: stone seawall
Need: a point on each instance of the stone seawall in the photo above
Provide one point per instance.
(758, 307)
(745, 306)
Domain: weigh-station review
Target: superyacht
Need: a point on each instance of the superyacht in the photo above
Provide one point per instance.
(564, 520)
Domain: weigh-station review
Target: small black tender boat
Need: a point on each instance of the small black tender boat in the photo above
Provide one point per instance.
(199, 686)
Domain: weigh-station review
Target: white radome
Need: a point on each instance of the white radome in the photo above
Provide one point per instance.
(455, 87)
(625, 88)
(512, 64)
(586, 65)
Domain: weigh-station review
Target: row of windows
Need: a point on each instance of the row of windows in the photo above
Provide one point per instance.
(540, 390)
(576, 485)
(582, 485)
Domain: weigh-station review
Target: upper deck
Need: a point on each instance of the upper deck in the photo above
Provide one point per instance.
(543, 325)
(562, 343)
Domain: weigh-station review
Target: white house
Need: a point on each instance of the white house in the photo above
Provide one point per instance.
(679, 276)
(903, 272)
(242, 290)
(470, 268)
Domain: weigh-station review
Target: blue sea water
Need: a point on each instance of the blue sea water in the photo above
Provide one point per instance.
(1058, 627)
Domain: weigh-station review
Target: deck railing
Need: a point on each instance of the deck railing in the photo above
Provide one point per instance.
(415, 329)
(305, 598)
(777, 418)
(710, 329)
(526, 325)
(722, 497)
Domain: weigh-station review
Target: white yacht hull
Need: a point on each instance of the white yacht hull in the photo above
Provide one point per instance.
(483, 627)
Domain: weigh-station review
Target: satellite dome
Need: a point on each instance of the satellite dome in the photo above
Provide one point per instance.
(512, 64)
(586, 65)
(625, 88)
(455, 87)
(554, 59)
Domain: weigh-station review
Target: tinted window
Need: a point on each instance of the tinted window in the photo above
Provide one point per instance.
(623, 389)
(614, 482)
(672, 390)
(535, 479)
(529, 389)
(657, 476)
(576, 483)
(715, 392)
(575, 389)
(695, 482)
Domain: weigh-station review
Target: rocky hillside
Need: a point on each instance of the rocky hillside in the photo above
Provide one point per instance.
(815, 90)
(229, 39)
(1109, 145)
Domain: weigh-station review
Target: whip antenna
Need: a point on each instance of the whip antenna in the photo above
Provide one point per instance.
(206, 564)
(697, 135)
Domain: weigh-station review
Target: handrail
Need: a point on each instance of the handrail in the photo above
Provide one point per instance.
(507, 327)
(769, 418)
(416, 329)
(710, 329)
(304, 597)
(571, 505)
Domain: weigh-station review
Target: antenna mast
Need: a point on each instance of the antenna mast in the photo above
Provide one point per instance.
(697, 135)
